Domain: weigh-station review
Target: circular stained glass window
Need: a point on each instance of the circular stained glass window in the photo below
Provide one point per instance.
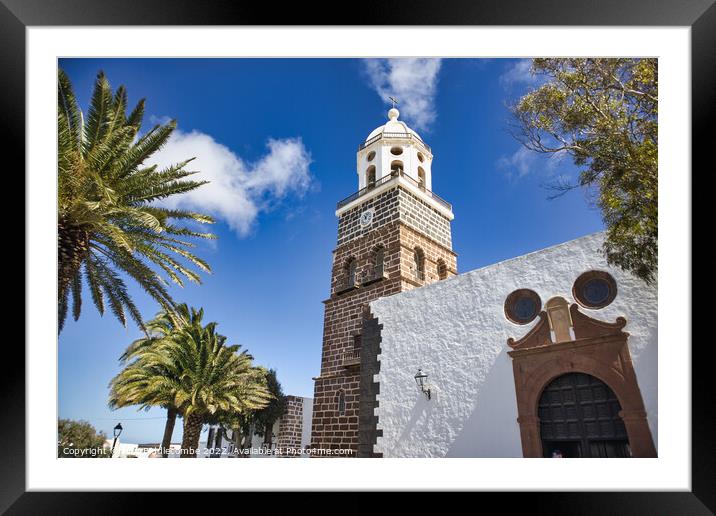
(522, 306)
(595, 289)
(525, 308)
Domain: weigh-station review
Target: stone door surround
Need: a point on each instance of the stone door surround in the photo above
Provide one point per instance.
(599, 349)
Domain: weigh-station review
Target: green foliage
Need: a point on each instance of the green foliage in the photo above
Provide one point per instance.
(164, 326)
(604, 114)
(261, 420)
(79, 439)
(267, 416)
(193, 369)
(108, 221)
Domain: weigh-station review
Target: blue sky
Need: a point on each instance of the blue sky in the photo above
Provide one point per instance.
(277, 138)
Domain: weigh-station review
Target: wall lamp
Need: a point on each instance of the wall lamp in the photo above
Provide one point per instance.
(421, 379)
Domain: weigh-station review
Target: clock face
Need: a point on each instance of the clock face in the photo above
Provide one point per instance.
(367, 217)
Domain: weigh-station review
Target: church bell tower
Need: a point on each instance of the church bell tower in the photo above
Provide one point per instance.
(393, 235)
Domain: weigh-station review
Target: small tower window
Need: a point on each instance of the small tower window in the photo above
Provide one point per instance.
(351, 272)
(370, 156)
(421, 158)
(419, 258)
(442, 269)
(378, 258)
(370, 177)
(396, 151)
(396, 167)
(421, 178)
(341, 403)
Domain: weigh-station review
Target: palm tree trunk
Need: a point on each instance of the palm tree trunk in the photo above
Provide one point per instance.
(218, 442)
(72, 248)
(268, 435)
(238, 435)
(246, 446)
(190, 437)
(168, 431)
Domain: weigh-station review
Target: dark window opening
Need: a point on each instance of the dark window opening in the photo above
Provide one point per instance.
(351, 273)
(370, 177)
(419, 258)
(341, 403)
(378, 258)
(442, 270)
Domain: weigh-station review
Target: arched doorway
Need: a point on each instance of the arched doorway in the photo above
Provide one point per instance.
(579, 417)
(598, 348)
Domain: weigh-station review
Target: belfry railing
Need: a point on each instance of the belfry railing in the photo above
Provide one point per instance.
(394, 136)
(386, 179)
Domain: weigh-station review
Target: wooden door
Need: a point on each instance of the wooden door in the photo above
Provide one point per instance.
(579, 417)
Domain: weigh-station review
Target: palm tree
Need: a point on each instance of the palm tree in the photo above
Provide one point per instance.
(216, 378)
(108, 223)
(195, 371)
(164, 325)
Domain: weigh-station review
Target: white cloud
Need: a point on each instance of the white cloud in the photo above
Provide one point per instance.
(518, 73)
(237, 191)
(525, 161)
(413, 81)
(518, 164)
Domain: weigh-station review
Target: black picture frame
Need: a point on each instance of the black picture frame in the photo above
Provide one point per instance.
(700, 15)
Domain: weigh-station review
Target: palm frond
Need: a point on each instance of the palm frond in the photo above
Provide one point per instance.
(98, 115)
(110, 224)
(69, 114)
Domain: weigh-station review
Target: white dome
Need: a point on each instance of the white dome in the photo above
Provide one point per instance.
(393, 126)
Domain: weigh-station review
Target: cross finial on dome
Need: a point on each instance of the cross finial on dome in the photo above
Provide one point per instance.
(393, 113)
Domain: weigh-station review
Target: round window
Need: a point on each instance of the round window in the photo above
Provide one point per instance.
(370, 156)
(396, 151)
(595, 289)
(421, 158)
(522, 306)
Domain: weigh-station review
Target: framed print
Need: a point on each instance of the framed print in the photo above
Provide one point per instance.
(420, 250)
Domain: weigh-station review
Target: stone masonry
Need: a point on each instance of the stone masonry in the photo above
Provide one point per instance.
(396, 204)
(401, 223)
(368, 431)
(291, 426)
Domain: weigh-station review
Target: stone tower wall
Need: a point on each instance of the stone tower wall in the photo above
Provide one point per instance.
(401, 223)
(290, 427)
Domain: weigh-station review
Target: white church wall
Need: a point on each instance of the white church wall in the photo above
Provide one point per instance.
(456, 331)
(386, 158)
(307, 418)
